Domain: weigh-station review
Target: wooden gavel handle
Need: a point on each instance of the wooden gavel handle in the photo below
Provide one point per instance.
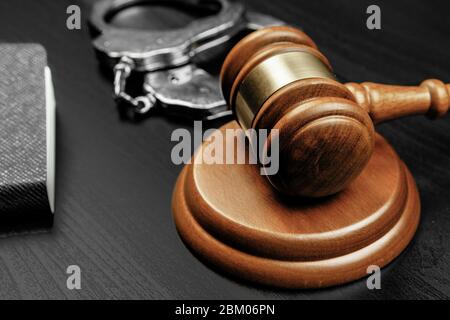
(386, 102)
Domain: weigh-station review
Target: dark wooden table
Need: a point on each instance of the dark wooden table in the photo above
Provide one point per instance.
(115, 177)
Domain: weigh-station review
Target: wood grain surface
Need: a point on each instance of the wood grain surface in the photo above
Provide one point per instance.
(115, 178)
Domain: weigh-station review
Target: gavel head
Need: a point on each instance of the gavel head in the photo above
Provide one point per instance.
(275, 78)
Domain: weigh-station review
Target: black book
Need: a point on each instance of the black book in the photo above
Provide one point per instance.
(27, 131)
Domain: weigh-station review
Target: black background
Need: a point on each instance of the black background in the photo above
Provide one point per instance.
(115, 177)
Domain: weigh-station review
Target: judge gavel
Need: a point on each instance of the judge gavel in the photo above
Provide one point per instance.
(275, 78)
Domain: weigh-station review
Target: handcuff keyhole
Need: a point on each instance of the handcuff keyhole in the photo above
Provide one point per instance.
(174, 79)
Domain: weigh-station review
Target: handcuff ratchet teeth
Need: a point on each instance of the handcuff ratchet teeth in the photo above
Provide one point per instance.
(173, 81)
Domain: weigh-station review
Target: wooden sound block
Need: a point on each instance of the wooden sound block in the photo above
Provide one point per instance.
(230, 216)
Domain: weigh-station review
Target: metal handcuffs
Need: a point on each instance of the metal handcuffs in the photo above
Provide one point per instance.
(172, 80)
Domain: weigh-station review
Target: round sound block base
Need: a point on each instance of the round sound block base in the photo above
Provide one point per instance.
(230, 216)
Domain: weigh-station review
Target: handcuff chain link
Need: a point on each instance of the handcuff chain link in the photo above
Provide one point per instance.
(158, 55)
(122, 70)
